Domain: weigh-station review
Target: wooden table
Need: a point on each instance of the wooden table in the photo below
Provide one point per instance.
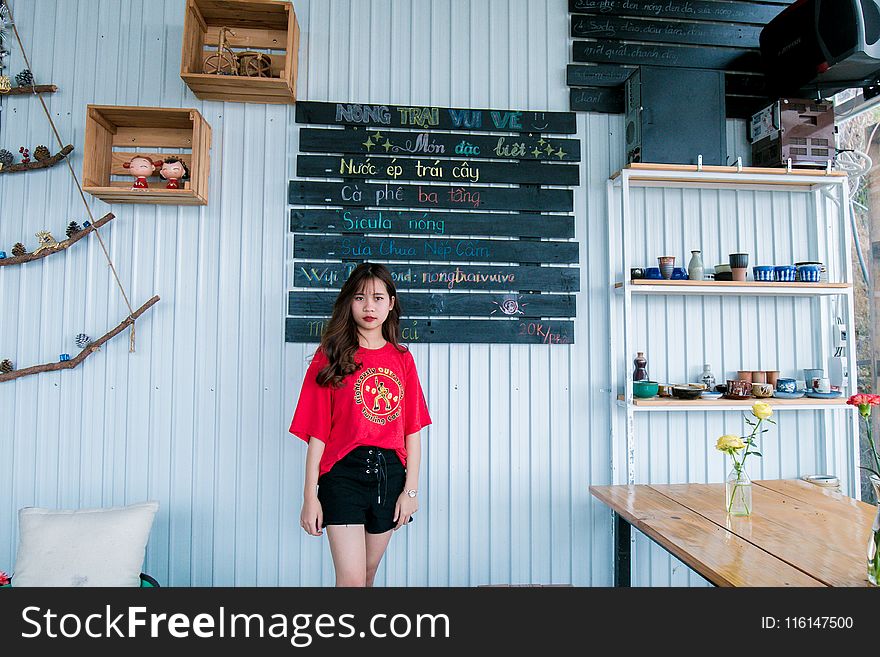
(798, 534)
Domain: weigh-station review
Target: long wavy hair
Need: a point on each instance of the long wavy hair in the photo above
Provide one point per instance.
(340, 338)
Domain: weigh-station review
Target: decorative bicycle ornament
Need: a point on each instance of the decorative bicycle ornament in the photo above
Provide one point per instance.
(226, 61)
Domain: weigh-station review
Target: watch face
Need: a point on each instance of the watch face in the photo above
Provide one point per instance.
(411, 493)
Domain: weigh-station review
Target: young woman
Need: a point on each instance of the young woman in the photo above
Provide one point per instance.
(361, 409)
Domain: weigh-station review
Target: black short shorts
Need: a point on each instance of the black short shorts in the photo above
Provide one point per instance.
(362, 489)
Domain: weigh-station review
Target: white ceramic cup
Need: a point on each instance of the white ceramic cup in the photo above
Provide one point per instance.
(823, 385)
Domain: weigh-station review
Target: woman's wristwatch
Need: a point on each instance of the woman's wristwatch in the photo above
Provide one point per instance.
(412, 492)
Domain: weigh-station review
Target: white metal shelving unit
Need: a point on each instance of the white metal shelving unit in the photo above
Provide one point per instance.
(836, 255)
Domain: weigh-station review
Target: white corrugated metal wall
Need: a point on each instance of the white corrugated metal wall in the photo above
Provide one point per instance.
(197, 418)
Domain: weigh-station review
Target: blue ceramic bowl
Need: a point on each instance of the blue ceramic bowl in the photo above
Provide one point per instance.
(653, 273)
(786, 273)
(808, 273)
(645, 389)
(764, 273)
(679, 274)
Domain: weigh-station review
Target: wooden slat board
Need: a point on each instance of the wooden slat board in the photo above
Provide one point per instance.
(461, 331)
(701, 544)
(604, 51)
(354, 247)
(608, 100)
(436, 118)
(320, 304)
(358, 220)
(439, 144)
(643, 29)
(428, 197)
(461, 171)
(450, 277)
(709, 10)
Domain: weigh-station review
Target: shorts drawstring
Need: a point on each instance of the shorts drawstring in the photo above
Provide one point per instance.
(382, 476)
(381, 472)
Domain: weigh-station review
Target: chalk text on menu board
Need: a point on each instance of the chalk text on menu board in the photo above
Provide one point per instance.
(520, 147)
(433, 169)
(442, 118)
(426, 117)
(301, 329)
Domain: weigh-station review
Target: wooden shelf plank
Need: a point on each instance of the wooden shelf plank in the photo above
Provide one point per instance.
(656, 286)
(673, 404)
(751, 171)
(159, 196)
(744, 177)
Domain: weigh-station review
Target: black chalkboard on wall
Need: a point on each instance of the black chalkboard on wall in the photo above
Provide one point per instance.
(475, 228)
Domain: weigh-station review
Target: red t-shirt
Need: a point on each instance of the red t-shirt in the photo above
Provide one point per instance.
(378, 405)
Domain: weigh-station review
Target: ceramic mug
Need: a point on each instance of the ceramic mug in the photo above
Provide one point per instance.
(772, 376)
(667, 264)
(759, 376)
(823, 384)
(739, 388)
(762, 390)
(810, 375)
(786, 385)
(739, 260)
(744, 375)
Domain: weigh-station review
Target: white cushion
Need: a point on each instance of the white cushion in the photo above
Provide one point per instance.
(82, 547)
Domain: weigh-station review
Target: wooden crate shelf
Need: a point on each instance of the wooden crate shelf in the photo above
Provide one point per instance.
(260, 25)
(150, 131)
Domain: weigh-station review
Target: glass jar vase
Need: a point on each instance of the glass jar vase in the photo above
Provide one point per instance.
(738, 493)
(874, 539)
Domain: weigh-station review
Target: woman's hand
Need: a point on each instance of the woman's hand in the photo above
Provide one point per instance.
(403, 510)
(312, 516)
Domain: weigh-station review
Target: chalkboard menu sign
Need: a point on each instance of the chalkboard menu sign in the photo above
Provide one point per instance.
(611, 37)
(468, 208)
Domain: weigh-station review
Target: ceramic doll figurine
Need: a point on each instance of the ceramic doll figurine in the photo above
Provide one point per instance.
(140, 166)
(174, 170)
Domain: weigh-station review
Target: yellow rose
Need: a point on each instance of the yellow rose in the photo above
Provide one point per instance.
(762, 410)
(729, 442)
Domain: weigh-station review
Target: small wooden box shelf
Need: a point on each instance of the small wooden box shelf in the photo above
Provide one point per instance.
(259, 25)
(139, 130)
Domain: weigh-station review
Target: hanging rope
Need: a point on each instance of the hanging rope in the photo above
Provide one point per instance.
(75, 179)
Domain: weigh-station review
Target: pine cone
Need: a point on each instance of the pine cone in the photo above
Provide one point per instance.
(6, 158)
(73, 228)
(18, 249)
(25, 78)
(82, 340)
(6, 366)
(42, 153)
